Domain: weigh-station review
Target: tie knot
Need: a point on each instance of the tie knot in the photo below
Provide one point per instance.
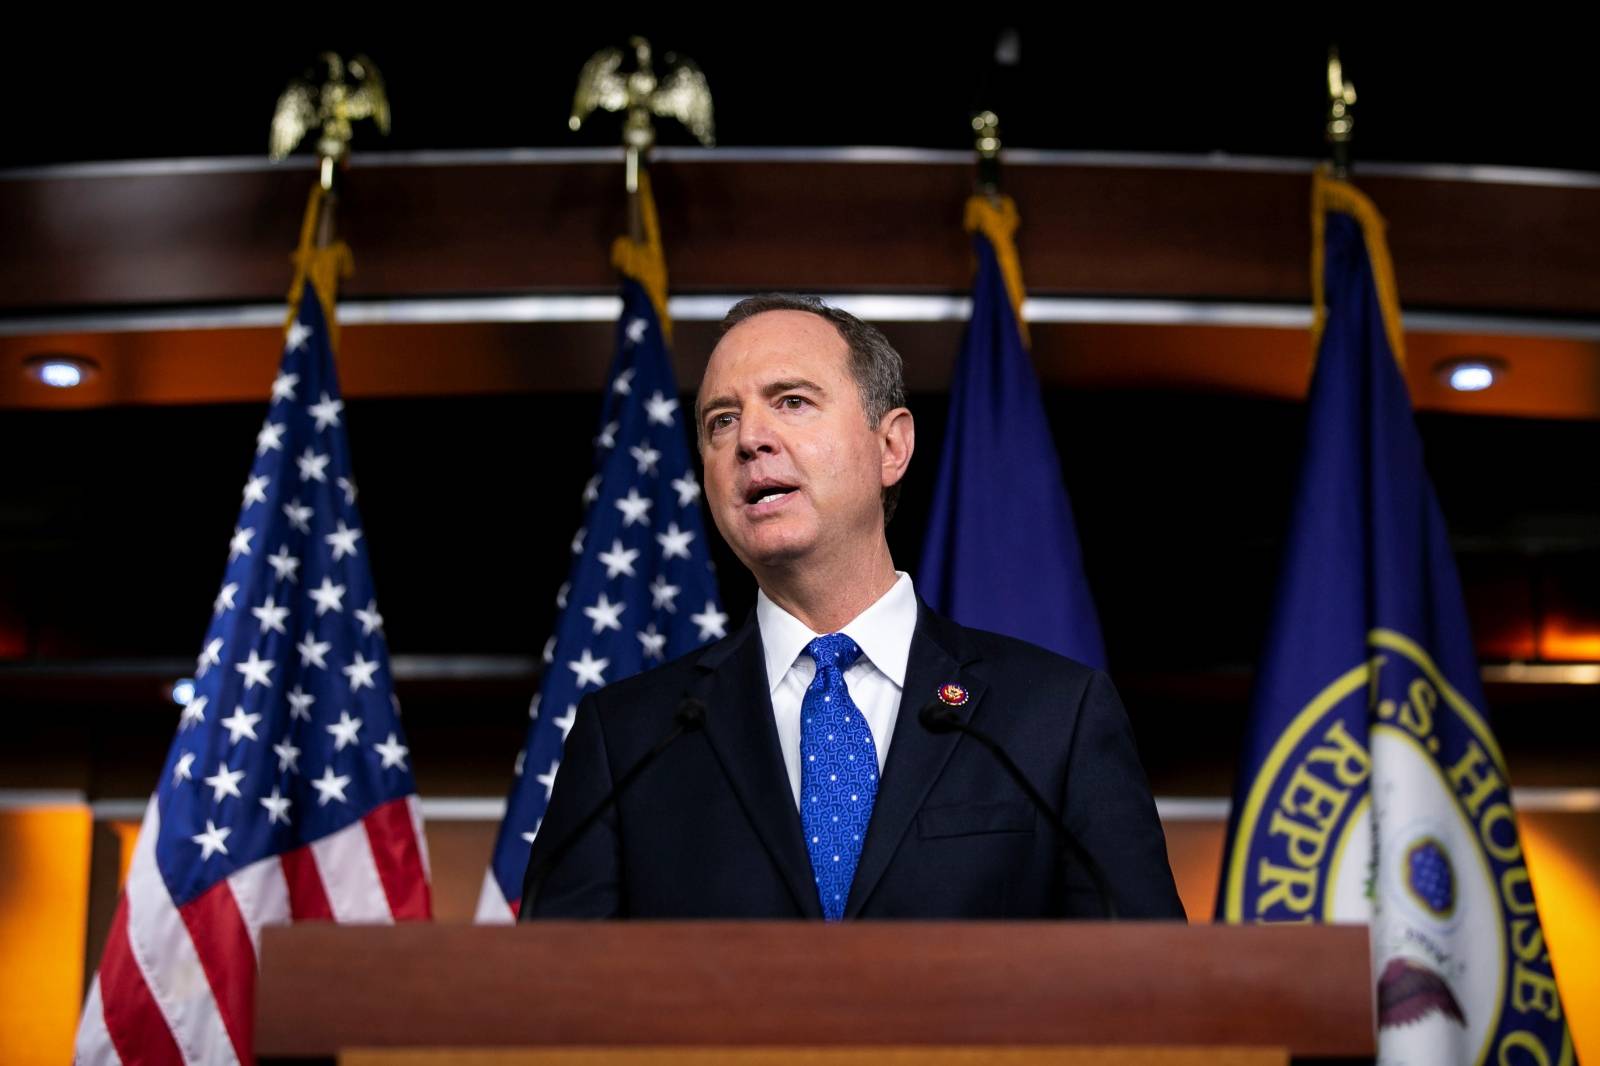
(834, 649)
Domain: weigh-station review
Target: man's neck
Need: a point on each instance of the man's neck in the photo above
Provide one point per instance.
(826, 598)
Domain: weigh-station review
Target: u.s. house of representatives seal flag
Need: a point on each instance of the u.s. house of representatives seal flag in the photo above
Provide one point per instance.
(641, 590)
(1372, 789)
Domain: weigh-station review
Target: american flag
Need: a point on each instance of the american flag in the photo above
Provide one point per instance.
(287, 794)
(640, 591)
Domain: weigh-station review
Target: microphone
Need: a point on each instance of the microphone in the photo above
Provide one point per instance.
(937, 718)
(690, 716)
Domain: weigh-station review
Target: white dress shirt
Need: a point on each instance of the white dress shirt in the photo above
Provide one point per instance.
(883, 633)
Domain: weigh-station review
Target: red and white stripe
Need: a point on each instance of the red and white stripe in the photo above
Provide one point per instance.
(493, 907)
(177, 984)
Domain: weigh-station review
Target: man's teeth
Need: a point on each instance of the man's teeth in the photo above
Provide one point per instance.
(769, 497)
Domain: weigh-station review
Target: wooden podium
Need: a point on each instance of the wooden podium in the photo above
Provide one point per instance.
(780, 992)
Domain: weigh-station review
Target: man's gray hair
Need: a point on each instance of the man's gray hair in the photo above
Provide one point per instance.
(877, 367)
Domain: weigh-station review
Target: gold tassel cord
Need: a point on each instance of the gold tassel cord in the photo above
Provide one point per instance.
(645, 261)
(324, 266)
(1334, 194)
(997, 219)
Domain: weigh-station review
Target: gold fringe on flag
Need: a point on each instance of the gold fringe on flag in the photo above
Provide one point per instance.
(645, 261)
(1334, 194)
(323, 265)
(997, 219)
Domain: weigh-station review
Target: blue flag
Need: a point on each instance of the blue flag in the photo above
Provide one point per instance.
(1002, 550)
(641, 589)
(1372, 789)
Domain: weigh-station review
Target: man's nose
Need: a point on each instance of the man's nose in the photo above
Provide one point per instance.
(756, 434)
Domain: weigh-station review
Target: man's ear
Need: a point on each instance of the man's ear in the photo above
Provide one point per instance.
(897, 432)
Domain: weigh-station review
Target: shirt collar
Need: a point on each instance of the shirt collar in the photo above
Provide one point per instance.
(883, 632)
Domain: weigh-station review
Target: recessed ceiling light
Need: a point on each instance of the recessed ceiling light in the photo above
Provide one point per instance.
(1472, 374)
(60, 370)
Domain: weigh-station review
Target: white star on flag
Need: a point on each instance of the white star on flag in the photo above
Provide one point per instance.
(591, 489)
(370, 618)
(675, 542)
(300, 702)
(655, 644)
(271, 616)
(590, 671)
(330, 786)
(711, 622)
(181, 772)
(688, 489)
(329, 597)
(663, 594)
(312, 465)
(224, 600)
(288, 757)
(344, 730)
(299, 516)
(238, 724)
(255, 490)
(549, 653)
(240, 544)
(194, 712)
(577, 541)
(277, 807)
(634, 508)
(564, 723)
(622, 385)
(530, 837)
(392, 752)
(270, 438)
(516, 768)
(647, 458)
(342, 541)
(255, 670)
(561, 595)
(349, 488)
(659, 409)
(618, 560)
(297, 335)
(224, 782)
(283, 385)
(608, 435)
(209, 657)
(636, 329)
(360, 673)
(604, 614)
(211, 841)
(327, 412)
(312, 650)
(284, 566)
(548, 778)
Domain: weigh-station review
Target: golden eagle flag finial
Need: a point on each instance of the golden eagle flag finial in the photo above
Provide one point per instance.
(611, 82)
(334, 96)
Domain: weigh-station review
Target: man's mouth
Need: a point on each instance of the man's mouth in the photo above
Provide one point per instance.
(767, 494)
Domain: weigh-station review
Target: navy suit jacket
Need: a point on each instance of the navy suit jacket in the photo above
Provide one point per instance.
(710, 830)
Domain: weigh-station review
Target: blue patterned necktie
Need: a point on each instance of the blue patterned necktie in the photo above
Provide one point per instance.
(838, 772)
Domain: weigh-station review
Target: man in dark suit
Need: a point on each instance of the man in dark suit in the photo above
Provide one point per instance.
(813, 790)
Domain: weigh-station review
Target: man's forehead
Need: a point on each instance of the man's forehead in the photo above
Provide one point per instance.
(775, 346)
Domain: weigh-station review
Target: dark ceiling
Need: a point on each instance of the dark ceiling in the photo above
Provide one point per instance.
(1252, 85)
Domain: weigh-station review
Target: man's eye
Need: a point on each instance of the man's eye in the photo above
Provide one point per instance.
(720, 421)
(793, 403)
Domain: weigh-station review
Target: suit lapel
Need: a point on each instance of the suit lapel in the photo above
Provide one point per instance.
(740, 728)
(916, 756)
